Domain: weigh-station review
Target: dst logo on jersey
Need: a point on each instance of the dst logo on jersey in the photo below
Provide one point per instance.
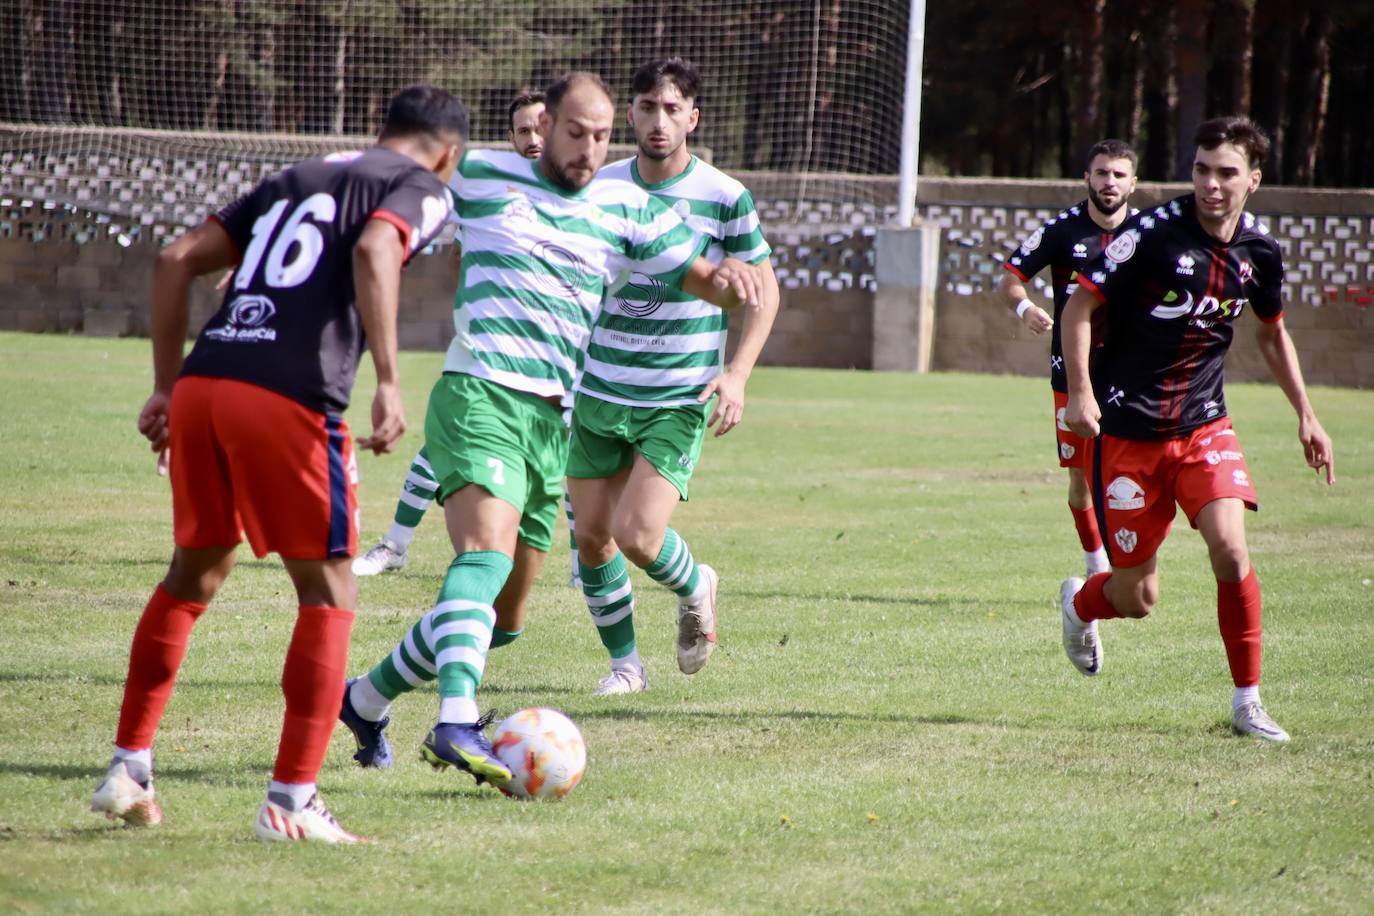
(1124, 493)
(566, 274)
(1206, 307)
(640, 295)
(247, 315)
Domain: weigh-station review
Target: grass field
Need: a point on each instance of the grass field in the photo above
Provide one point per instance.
(889, 724)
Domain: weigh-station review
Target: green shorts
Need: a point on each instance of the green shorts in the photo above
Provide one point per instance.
(510, 443)
(605, 437)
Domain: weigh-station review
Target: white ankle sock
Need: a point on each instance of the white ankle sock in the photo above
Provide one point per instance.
(143, 758)
(401, 536)
(297, 793)
(1244, 695)
(367, 701)
(458, 710)
(630, 662)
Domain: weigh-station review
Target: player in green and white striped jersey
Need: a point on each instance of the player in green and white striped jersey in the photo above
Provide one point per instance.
(656, 358)
(542, 243)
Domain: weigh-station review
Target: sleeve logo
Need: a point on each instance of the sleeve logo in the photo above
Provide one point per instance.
(1032, 241)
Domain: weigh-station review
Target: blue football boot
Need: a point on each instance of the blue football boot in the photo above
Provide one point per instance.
(373, 748)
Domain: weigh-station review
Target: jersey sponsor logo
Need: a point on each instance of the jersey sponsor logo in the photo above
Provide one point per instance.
(566, 272)
(1033, 240)
(1185, 265)
(1240, 478)
(1123, 493)
(1066, 451)
(1114, 395)
(1211, 409)
(1125, 539)
(646, 294)
(246, 320)
(1080, 250)
(1122, 247)
(1208, 307)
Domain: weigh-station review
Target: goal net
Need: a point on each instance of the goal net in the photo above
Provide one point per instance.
(156, 111)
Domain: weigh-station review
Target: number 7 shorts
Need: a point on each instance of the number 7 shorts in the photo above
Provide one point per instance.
(510, 443)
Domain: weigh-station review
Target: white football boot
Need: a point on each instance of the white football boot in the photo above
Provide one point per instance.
(384, 557)
(696, 626)
(1081, 644)
(1252, 719)
(622, 680)
(121, 796)
(276, 821)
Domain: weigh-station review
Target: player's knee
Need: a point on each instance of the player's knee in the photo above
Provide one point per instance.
(1230, 562)
(636, 542)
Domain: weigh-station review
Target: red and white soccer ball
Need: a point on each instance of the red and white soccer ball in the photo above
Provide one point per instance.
(544, 750)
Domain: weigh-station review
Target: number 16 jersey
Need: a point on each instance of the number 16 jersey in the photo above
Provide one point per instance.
(288, 322)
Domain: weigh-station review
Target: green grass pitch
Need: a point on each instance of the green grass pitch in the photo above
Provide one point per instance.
(889, 724)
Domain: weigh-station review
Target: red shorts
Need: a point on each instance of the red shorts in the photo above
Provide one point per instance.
(1073, 448)
(1136, 484)
(245, 459)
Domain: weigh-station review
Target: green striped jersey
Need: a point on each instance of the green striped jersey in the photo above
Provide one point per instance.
(654, 345)
(537, 261)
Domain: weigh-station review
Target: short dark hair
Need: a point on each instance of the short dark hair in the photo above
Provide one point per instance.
(674, 70)
(523, 100)
(554, 92)
(425, 109)
(1112, 149)
(1239, 132)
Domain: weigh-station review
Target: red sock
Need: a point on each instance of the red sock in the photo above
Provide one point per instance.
(1238, 615)
(159, 646)
(1091, 601)
(312, 681)
(1086, 523)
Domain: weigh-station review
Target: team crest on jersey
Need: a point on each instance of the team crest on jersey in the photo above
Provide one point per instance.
(1247, 272)
(1121, 248)
(520, 208)
(1032, 241)
(1066, 451)
(1125, 539)
(682, 208)
(1123, 493)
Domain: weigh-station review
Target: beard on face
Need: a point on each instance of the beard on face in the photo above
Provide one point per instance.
(555, 173)
(648, 152)
(1103, 208)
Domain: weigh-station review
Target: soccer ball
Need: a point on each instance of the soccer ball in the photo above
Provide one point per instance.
(544, 751)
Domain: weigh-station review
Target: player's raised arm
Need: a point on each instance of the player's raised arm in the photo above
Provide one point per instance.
(1082, 413)
(1278, 351)
(202, 250)
(728, 285)
(377, 260)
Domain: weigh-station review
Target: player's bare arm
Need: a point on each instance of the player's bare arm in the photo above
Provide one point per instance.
(728, 285)
(1036, 319)
(202, 250)
(377, 260)
(1282, 358)
(1082, 413)
(729, 385)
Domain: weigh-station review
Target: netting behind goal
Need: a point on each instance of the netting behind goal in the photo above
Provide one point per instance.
(155, 111)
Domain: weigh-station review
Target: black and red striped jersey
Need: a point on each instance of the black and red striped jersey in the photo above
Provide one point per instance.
(1063, 244)
(1172, 294)
(288, 322)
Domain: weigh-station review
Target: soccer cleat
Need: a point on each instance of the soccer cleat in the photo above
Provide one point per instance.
(696, 626)
(276, 821)
(466, 747)
(622, 680)
(384, 557)
(1081, 644)
(1252, 719)
(374, 751)
(122, 796)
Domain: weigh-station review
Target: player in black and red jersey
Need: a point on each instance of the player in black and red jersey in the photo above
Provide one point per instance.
(1064, 244)
(253, 422)
(1173, 283)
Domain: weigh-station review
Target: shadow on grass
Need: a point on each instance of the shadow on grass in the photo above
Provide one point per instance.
(904, 600)
(754, 717)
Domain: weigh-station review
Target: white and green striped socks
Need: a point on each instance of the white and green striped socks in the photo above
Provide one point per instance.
(449, 643)
(612, 604)
(675, 569)
(417, 495)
